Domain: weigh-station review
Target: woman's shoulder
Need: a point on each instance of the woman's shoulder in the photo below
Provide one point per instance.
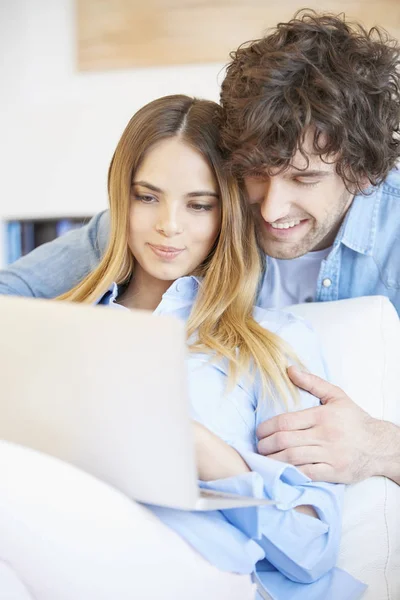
(276, 320)
(299, 334)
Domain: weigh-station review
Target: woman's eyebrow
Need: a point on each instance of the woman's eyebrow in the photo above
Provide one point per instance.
(202, 193)
(196, 194)
(148, 186)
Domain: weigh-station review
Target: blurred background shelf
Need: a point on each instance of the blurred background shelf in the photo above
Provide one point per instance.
(22, 236)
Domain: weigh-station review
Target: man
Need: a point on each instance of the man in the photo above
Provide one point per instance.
(311, 129)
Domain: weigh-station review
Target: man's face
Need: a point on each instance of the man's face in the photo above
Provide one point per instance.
(300, 209)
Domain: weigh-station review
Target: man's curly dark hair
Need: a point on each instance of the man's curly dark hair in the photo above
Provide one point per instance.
(315, 73)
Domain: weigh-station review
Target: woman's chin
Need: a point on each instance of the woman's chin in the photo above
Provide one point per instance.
(168, 273)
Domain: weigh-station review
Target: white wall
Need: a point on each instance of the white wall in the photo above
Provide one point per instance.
(58, 127)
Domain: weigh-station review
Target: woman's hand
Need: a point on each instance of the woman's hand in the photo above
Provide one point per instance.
(215, 458)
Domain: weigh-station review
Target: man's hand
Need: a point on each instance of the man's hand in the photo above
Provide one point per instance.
(337, 442)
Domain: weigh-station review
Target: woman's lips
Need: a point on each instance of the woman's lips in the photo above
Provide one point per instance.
(166, 252)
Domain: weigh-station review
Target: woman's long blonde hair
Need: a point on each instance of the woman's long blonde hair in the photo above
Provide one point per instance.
(222, 313)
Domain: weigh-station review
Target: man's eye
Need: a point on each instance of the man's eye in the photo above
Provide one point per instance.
(305, 182)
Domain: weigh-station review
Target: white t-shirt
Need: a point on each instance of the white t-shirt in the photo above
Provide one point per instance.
(291, 281)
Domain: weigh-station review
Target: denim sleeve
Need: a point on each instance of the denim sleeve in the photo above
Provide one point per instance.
(56, 267)
(301, 547)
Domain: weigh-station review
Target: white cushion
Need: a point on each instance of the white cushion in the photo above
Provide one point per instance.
(361, 343)
(68, 536)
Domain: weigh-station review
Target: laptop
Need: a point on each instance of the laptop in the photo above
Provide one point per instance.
(104, 390)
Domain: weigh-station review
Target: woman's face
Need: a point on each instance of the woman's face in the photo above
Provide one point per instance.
(175, 213)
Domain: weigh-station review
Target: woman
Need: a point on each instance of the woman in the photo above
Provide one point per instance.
(182, 243)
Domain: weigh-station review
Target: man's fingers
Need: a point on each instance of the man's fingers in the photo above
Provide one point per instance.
(315, 385)
(302, 419)
(303, 455)
(282, 440)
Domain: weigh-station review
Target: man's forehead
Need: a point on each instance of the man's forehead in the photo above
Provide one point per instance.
(307, 158)
(308, 165)
(309, 161)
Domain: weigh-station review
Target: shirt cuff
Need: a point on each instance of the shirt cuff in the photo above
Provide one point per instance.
(301, 546)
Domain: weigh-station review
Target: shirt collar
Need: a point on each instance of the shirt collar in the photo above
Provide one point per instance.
(184, 288)
(358, 230)
(109, 296)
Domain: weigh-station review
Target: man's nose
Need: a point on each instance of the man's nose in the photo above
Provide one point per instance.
(275, 205)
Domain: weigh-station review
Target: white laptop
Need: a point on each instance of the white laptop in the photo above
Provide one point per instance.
(105, 390)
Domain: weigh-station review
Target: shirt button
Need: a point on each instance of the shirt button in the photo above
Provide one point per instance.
(327, 282)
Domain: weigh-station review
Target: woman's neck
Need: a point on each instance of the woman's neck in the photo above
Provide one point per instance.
(144, 291)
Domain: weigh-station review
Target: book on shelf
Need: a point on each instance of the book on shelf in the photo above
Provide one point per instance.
(27, 234)
(13, 241)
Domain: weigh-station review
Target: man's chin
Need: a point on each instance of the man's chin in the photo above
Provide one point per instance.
(287, 244)
(284, 251)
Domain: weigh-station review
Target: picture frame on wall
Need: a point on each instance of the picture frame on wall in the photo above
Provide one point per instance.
(118, 34)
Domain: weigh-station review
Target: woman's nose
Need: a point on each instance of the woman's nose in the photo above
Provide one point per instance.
(169, 222)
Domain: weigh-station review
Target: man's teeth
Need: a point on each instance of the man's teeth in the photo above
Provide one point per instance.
(287, 225)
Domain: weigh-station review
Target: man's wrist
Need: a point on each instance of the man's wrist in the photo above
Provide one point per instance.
(386, 460)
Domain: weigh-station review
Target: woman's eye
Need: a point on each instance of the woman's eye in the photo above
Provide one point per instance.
(200, 207)
(145, 199)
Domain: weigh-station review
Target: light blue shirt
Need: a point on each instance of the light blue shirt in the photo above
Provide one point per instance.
(364, 260)
(290, 554)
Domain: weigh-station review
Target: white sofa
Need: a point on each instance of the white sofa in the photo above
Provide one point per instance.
(361, 341)
(90, 534)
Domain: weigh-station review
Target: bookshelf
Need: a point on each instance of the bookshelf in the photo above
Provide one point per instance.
(21, 236)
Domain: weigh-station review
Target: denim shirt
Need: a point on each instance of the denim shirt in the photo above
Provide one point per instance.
(364, 260)
(282, 548)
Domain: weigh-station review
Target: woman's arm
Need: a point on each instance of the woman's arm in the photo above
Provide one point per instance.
(300, 547)
(217, 460)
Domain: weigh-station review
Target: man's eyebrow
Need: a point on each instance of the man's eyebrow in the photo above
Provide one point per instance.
(309, 172)
(147, 185)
